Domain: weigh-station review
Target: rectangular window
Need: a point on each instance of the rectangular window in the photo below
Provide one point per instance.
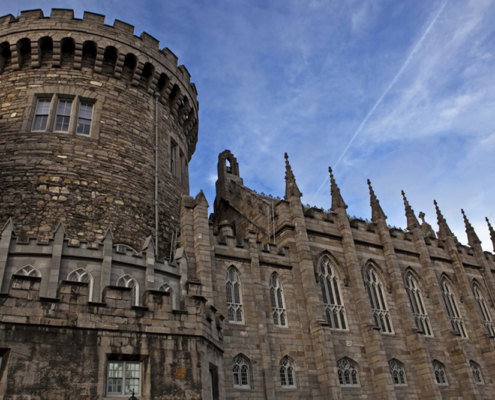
(41, 114)
(63, 115)
(124, 378)
(84, 118)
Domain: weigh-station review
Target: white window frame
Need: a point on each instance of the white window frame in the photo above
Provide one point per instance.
(81, 275)
(37, 113)
(418, 305)
(348, 369)
(129, 282)
(453, 309)
(53, 113)
(378, 300)
(233, 286)
(277, 298)
(241, 372)
(440, 373)
(486, 316)
(124, 378)
(332, 295)
(398, 372)
(60, 101)
(287, 373)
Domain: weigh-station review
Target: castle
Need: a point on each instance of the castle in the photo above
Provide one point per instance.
(115, 282)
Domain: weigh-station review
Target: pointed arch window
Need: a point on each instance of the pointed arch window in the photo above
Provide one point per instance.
(240, 372)
(485, 313)
(348, 373)
(129, 282)
(440, 375)
(398, 373)
(234, 296)
(478, 377)
(28, 270)
(165, 287)
(452, 308)
(332, 296)
(287, 377)
(379, 307)
(81, 275)
(417, 305)
(278, 304)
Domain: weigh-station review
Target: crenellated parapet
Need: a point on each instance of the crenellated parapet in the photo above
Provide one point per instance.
(34, 41)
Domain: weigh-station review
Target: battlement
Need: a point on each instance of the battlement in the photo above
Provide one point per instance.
(108, 50)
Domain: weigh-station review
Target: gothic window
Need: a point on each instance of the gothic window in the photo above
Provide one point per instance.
(129, 282)
(376, 294)
(240, 372)
(277, 298)
(123, 378)
(287, 377)
(332, 296)
(165, 287)
(234, 296)
(417, 305)
(81, 275)
(397, 372)
(28, 271)
(348, 374)
(478, 378)
(485, 313)
(452, 308)
(440, 375)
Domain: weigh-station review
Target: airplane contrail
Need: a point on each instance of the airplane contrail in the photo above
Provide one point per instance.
(390, 86)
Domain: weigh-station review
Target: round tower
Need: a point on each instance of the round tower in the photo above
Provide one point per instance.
(97, 129)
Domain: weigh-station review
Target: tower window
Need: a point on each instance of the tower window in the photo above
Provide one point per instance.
(63, 115)
(84, 118)
(440, 375)
(240, 372)
(41, 114)
(123, 378)
(398, 373)
(348, 374)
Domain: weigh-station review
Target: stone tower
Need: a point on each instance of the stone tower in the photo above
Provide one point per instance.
(97, 131)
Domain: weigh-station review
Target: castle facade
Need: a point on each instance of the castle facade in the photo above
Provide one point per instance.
(115, 282)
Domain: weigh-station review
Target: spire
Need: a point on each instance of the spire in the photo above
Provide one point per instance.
(291, 188)
(337, 200)
(412, 221)
(492, 233)
(443, 229)
(376, 210)
(473, 238)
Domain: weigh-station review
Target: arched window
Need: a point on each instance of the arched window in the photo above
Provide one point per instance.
(398, 373)
(278, 305)
(332, 297)
(81, 275)
(287, 376)
(485, 313)
(234, 296)
(28, 270)
(440, 375)
(348, 374)
(478, 377)
(379, 307)
(452, 308)
(240, 372)
(417, 305)
(165, 287)
(129, 282)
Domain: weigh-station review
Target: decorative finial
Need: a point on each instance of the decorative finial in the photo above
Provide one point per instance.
(443, 228)
(473, 238)
(376, 210)
(337, 200)
(492, 232)
(412, 221)
(291, 188)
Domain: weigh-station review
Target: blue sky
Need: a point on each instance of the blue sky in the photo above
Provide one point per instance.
(400, 92)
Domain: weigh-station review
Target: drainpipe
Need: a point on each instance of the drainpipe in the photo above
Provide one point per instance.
(157, 204)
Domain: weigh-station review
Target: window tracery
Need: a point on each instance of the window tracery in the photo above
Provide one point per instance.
(452, 309)
(417, 305)
(234, 296)
(279, 314)
(332, 296)
(381, 314)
